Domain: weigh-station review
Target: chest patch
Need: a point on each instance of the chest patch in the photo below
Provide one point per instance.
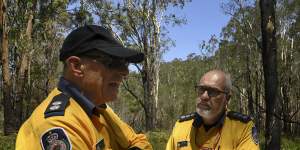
(182, 144)
(55, 138)
(100, 145)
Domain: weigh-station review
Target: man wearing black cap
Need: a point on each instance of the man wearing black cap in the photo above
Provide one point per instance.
(74, 115)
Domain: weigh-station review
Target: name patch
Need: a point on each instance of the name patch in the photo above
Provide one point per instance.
(182, 143)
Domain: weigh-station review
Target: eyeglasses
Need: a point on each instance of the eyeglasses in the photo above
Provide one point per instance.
(211, 92)
(110, 62)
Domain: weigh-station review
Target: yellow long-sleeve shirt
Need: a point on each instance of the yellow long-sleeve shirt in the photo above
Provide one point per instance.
(64, 122)
(228, 134)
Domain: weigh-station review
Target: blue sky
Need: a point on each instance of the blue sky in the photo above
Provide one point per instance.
(204, 18)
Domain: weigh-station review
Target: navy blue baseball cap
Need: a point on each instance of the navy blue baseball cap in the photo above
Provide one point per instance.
(89, 39)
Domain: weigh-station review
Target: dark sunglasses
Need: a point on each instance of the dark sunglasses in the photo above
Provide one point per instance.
(211, 92)
(110, 62)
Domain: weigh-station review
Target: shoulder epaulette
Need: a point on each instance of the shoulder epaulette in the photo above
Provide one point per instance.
(57, 106)
(186, 117)
(239, 116)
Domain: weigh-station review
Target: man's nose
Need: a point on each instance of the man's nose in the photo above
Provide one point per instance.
(204, 96)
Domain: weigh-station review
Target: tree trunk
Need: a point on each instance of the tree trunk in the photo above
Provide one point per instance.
(21, 90)
(249, 84)
(268, 30)
(151, 67)
(9, 121)
(258, 99)
(240, 102)
(150, 93)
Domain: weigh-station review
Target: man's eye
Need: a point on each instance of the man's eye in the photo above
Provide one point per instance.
(212, 92)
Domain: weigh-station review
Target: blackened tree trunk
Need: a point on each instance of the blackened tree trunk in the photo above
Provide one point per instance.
(268, 30)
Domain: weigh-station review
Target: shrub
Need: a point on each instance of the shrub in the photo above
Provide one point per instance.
(158, 139)
(7, 142)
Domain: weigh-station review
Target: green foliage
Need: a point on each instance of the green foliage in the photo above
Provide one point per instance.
(287, 142)
(290, 143)
(158, 139)
(7, 142)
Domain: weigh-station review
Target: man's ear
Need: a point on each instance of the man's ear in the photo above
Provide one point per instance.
(75, 66)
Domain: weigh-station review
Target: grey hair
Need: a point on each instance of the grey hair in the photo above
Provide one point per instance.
(228, 83)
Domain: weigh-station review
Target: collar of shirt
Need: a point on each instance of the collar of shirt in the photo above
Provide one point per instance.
(71, 90)
(198, 121)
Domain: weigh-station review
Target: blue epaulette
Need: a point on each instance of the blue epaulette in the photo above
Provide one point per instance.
(57, 106)
(239, 116)
(186, 117)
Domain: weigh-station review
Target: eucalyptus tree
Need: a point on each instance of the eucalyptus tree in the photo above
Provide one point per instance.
(288, 57)
(241, 48)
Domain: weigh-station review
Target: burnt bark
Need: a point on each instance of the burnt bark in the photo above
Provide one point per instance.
(269, 48)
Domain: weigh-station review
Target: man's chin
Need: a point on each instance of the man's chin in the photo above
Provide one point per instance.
(112, 98)
(105, 100)
(205, 113)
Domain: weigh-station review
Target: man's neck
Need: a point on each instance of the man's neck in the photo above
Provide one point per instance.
(212, 121)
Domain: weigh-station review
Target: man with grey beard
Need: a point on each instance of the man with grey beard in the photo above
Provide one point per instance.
(213, 126)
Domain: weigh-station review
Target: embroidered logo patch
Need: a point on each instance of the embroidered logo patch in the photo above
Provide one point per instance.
(100, 145)
(182, 144)
(255, 135)
(55, 138)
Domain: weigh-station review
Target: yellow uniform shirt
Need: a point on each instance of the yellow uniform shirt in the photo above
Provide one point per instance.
(229, 133)
(67, 120)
